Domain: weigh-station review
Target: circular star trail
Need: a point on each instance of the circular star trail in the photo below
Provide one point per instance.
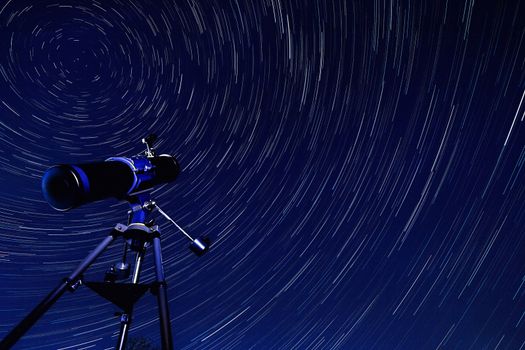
(359, 164)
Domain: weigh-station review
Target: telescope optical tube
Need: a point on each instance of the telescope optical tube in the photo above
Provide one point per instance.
(70, 186)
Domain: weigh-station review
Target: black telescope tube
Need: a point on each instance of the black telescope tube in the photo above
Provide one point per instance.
(69, 186)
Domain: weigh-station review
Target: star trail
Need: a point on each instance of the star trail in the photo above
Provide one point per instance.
(360, 165)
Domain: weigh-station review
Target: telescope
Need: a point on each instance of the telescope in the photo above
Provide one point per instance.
(68, 186)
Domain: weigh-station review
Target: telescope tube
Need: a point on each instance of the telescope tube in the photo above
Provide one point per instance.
(69, 186)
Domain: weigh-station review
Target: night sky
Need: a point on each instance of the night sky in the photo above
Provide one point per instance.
(359, 163)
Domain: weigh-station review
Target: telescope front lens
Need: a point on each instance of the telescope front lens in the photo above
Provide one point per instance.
(61, 188)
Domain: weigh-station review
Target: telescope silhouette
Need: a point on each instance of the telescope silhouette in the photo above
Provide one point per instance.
(69, 186)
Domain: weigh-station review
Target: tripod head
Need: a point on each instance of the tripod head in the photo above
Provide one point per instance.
(139, 231)
(142, 206)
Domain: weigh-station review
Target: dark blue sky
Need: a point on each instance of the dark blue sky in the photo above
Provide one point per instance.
(360, 163)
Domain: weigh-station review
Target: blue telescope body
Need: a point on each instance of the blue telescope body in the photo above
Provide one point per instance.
(69, 186)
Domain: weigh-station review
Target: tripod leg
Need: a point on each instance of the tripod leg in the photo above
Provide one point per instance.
(24, 325)
(125, 318)
(162, 298)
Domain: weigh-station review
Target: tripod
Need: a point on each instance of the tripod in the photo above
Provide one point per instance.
(139, 234)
